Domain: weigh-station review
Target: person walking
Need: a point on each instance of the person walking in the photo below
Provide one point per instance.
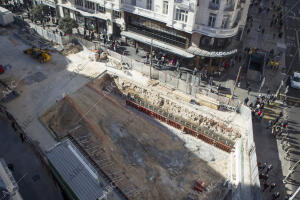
(246, 101)
(22, 136)
(136, 50)
(269, 168)
(266, 185)
(249, 90)
(275, 195)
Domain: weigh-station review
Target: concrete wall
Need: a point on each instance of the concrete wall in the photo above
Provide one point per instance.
(251, 152)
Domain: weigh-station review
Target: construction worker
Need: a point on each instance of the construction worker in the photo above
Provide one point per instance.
(272, 64)
(250, 52)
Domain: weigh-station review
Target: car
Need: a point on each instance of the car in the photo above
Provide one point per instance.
(295, 80)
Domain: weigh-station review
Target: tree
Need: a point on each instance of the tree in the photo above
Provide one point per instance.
(66, 24)
(40, 13)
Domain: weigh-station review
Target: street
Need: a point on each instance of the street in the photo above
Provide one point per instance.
(33, 179)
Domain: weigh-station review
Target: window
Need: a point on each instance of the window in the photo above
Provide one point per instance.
(215, 2)
(165, 7)
(225, 21)
(100, 9)
(133, 2)
(149, 4)
(212, 20)
(181, 15)
(79, 2)
(116, 14)
(89, 5)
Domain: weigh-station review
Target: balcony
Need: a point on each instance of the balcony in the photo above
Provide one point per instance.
(213, 6)
(216, 32)
(229, 7)
(85, 9)
(145, 13)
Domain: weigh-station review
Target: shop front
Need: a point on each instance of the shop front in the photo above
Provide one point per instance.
(157, 30)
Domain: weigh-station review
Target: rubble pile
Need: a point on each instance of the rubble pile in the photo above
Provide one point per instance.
(71, 48)
(162, 101)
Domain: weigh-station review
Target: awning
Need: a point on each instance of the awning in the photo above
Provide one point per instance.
(202, 52)
(156, 43)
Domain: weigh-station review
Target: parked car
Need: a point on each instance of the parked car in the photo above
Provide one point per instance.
(295, 80)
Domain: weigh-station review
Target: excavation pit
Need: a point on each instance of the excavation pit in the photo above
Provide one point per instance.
(145, 157)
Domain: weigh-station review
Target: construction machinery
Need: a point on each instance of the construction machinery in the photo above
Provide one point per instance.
(42, 55)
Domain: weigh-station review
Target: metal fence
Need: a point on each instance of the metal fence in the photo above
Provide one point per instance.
(49, 35)
(191, 85)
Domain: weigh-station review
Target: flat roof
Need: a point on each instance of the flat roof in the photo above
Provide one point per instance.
(75, 170)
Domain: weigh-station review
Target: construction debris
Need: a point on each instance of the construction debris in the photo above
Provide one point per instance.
(144, 159)
(71, 48)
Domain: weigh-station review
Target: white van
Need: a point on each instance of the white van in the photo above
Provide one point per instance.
(295, 80)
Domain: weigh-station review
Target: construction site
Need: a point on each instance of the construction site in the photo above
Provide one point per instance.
(148, 140)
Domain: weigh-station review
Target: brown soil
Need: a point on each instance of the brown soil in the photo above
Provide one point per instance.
(145, 160)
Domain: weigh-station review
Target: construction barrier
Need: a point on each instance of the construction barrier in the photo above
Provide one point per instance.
(180, 126)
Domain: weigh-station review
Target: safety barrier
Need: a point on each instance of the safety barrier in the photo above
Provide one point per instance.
(180, 126)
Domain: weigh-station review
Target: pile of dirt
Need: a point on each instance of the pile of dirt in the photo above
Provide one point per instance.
(71, 48)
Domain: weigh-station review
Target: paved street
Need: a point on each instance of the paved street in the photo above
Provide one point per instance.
(33, 179)
(294, 139)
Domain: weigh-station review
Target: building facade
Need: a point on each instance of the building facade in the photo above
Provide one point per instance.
(206, 31)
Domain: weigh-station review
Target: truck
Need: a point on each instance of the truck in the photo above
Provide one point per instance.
(256, 65)
(6, 17)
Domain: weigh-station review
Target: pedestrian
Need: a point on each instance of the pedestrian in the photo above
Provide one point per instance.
(269, 168)
(136, 50)
(147, 57)
(115, 46)
(177, 65)
(22, 137)
(104, 40)
(92, 35)
(269, 124)
(263, 31)
(275, 195)
(240, 58)
(13, 125)
(266, 185)
(264, 166)
(271, 24)
(246, 100)
(249, 90)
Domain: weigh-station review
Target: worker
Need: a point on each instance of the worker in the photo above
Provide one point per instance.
(272, 64)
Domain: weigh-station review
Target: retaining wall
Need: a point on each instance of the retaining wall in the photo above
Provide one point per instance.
(250, 149)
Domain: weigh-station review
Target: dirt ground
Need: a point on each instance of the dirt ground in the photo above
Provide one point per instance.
(145, 160)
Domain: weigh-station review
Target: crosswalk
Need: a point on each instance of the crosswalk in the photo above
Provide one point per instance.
(272, 111)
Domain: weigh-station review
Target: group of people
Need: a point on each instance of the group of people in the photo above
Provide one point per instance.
(264, 171)
(257, 106)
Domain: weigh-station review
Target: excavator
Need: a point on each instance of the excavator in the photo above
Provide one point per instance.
(42, 55)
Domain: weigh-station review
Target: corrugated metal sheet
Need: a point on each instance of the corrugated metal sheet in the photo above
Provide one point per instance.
(76, 171)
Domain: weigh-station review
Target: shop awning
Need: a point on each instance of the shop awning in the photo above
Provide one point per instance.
(156, 43)
(201, 52)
